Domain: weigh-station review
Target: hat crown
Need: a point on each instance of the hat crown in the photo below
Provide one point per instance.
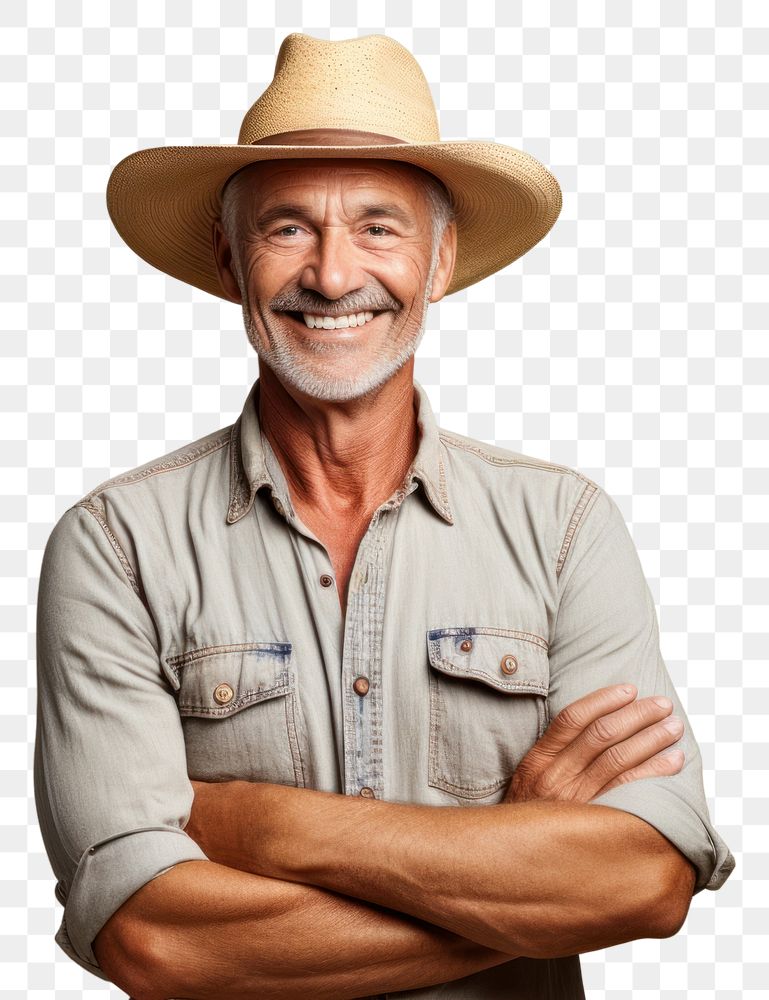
(369, 84)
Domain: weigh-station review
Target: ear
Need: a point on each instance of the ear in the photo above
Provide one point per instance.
(223, 257)
(447, 255)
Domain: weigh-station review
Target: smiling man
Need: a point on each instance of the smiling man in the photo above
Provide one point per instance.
(334, 702)
(371, 268)
(337, 262)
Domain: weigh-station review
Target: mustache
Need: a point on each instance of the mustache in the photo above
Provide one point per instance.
(362, 300)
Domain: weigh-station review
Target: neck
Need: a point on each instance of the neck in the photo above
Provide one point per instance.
(341, 457)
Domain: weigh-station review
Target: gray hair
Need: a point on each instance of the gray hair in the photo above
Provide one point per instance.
(441, 205)
(434, 191)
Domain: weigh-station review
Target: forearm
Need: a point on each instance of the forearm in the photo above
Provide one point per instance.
(540, 879)
(202, 930)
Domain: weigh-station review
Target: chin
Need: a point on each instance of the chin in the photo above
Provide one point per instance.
(332, 388)
(318, 375)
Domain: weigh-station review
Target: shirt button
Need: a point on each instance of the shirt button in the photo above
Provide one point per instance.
(367, 793)
(466, 645)
(326, 580)
(360, 685)
(509, 664)
(223, 693)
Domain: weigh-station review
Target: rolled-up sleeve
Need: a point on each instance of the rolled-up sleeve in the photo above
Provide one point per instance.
(606, 632)
(110, 775)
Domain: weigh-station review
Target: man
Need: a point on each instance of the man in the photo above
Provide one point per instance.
(267, 657)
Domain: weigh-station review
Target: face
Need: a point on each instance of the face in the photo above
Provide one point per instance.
(333, 264)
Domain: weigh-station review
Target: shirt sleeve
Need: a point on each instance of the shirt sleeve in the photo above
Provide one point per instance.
(110, 774)
(606, 632)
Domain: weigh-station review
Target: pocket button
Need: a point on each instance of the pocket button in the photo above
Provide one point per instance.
(223, 693)
(466, 645)
(509, 664)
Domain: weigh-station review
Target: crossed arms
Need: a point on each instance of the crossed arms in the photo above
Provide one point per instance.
(272, 891)
(312, 892)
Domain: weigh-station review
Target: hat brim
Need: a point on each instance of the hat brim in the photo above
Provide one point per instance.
(163, 201)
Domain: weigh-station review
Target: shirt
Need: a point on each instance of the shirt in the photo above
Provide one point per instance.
(189, 627)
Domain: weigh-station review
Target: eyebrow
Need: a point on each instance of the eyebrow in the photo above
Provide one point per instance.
(379, 209)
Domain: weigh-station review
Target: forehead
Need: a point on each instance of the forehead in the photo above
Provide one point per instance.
(270, 178)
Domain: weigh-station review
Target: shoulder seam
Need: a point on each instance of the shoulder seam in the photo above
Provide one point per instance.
(448, 439)
(182, 460)
(93, 509)
(587, 495)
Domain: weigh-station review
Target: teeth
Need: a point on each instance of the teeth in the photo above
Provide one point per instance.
(337, 322)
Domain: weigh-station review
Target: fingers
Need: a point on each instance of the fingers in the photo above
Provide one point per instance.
(663, 764)
(580, 761)
(572, 720)
(620, 725)
(602, 740)
(634, 752)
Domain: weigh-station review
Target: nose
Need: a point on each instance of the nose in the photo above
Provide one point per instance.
(332, 269)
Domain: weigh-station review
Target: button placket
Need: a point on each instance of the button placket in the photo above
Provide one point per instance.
(362, 660)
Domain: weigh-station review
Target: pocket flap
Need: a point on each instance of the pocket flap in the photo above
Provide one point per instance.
(505, 659)
(218, 681)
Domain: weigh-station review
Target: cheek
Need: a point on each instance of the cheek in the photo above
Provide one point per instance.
(403, 273)
(267, 270)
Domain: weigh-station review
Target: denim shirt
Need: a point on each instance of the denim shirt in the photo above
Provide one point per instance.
(189, 627)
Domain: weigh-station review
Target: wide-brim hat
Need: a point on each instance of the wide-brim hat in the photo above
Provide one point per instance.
(360, 97)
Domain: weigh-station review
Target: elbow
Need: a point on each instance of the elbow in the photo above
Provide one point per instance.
(122, 955)
(136, 957)
(150, 962)
(657, 912)
(674, 898)
(148, 973)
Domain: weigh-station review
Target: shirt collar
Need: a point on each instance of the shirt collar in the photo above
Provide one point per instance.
(253, 463)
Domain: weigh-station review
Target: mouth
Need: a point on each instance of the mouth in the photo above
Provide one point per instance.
(314, 321)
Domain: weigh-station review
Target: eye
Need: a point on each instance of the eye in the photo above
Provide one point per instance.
(383, 231)
(285, 230)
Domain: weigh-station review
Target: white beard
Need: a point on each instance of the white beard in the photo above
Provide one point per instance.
(293, 368)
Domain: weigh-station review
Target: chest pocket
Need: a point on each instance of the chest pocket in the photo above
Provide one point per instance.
(240, 712)
(488, 706)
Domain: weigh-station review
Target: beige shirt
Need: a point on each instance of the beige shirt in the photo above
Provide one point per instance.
(189, 625)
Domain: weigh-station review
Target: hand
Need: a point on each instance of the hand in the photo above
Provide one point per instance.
(596, 743)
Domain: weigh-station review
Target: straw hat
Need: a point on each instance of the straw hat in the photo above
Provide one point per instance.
(360, 97)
